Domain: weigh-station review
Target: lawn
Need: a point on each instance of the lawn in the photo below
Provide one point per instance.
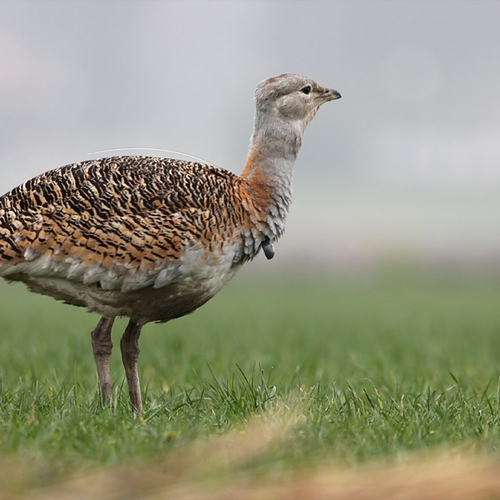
(274, 377)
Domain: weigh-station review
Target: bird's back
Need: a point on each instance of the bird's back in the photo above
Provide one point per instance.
(100, 233)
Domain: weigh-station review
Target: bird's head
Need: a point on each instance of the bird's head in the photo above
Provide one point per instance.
(293, 98)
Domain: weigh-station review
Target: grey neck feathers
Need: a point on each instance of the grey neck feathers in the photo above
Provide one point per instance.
(268, 172)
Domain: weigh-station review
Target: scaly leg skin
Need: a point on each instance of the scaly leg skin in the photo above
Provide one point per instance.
(130, 354)
(102, 346)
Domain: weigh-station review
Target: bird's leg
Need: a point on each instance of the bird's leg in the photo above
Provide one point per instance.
(130, 354)
(102, 346)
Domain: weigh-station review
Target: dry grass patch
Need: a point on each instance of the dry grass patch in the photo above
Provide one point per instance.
(220, 468)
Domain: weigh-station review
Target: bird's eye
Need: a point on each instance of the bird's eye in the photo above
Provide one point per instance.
(306, 90)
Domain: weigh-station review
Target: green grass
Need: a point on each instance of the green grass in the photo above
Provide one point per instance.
(371, 369)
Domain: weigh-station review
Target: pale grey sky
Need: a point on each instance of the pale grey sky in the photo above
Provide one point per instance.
(407, 162)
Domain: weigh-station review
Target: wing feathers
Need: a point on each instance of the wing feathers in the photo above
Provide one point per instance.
(122, 222)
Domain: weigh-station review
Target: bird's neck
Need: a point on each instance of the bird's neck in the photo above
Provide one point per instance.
(268, 170)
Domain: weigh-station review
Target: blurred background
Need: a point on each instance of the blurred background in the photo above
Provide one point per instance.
(404, 168)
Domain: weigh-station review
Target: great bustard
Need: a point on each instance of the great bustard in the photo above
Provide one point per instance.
(153, 239)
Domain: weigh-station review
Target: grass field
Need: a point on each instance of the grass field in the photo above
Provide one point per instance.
(272, 380)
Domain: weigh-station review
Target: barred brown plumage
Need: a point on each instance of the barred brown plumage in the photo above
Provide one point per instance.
(152, 239)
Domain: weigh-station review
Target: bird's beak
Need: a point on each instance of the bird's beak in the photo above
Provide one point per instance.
(330, 95)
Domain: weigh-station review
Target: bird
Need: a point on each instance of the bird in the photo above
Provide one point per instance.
(152, 238)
